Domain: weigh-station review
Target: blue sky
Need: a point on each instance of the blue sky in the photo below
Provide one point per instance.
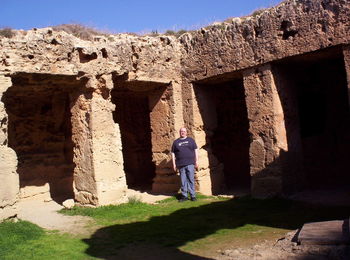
(125, 15)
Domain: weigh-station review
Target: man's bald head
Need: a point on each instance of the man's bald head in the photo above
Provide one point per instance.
(183, 132)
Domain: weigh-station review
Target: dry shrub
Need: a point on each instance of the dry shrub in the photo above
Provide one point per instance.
(258, 12)
(7, 32)
(175, 33)
(78, 30)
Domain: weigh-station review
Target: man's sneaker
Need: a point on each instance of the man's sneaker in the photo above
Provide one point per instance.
(183, 199)
(193, 198)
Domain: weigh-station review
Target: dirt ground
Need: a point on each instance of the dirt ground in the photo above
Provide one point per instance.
(286, 248)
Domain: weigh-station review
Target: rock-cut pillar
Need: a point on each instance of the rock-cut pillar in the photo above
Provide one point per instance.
(99, 178)
(9, 179)
(268, 133)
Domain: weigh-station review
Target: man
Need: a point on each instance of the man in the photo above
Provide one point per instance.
(184, 153)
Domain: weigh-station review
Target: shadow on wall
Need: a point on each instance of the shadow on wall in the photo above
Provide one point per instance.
(166, 234)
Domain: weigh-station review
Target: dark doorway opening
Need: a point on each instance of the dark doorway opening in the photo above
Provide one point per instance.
(223, 108)
(132, 113)
(40, 132)
(316, 107)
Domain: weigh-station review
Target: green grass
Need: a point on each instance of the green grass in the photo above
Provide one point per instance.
(136, 210)
(199, 227)
(24, 240)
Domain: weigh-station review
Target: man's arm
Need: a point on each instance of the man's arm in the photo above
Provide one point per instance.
(196, 153)
(173, 160)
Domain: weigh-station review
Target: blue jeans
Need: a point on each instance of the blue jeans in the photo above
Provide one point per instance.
(187, 181)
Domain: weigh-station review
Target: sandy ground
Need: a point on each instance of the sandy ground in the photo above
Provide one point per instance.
(45, 213)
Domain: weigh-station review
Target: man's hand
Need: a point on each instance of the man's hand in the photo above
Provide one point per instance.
(174, 162)
(196, 166)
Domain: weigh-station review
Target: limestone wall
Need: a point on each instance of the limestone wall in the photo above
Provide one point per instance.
(291, 28)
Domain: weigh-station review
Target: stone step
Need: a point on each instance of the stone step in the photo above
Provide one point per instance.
(333, 232)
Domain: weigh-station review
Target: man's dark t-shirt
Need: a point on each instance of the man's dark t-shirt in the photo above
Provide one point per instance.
(184, 151)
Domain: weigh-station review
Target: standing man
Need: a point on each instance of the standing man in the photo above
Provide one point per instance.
(184, 153)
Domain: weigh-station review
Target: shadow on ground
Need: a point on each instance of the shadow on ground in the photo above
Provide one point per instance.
(161, 236)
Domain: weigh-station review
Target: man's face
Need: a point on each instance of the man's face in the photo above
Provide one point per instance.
(183, 132)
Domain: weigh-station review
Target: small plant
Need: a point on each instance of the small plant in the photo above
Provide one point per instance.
(175, 33)
(170, 32)
(134, 199)
(154, 33)
(258, 12)
(180, 32)
(111, 39)
(7, 32)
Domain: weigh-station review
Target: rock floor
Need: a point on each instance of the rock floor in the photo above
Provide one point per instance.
(285, 248)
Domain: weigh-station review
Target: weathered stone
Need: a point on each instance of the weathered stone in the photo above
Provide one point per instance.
(8, 177)
(257, 155)
(68, 204)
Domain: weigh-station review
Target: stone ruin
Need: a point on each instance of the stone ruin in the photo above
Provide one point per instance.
(266, 97)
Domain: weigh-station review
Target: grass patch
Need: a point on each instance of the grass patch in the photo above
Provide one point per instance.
(24, 240)
(198, 228)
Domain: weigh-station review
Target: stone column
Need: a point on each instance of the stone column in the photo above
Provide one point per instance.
(267, 130)
(210, 176)
(107, 153)
(166, 118)
(346, 54)
(9, 179)
(99, 178)
(85, 189)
